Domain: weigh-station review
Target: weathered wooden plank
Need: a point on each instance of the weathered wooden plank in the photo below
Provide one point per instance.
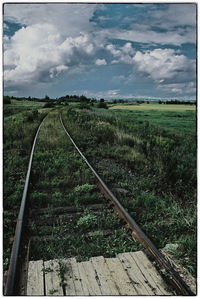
(66, 268)
(91, 279)
(35, 282)
(52, 279)
(150, 272)
(107, 286)
(76, 277)
(120, 277)
(83, 280)
(135, 274)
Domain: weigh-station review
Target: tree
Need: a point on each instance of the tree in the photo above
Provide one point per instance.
(102, 105)
(6, 100)
(47, 98)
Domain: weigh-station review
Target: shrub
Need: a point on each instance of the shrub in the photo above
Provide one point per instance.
(84, 105)
(48, 105)
(102, 105)
(6, 100)
(87, 221)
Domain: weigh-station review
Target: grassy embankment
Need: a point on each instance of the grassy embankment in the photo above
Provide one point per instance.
(151, 156)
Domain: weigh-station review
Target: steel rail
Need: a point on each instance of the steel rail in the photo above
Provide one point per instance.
(10, 284)
(175, 279)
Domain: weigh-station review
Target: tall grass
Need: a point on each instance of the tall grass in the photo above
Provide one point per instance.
(157, 166)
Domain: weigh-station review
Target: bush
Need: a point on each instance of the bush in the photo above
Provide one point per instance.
(6, 100)
(48, 105)
(84, 106)
(102, 105)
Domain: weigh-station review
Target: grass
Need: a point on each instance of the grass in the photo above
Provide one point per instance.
(146, 157)
(153, 163)
(157, 107)
(54, 161)
(181, 121)
(107, 238)
(25, 103)
(20, 106)
(19, 130)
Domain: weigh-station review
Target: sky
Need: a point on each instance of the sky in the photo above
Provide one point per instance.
(100, 50)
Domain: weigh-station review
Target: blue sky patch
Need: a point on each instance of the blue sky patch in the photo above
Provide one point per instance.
(10, 28)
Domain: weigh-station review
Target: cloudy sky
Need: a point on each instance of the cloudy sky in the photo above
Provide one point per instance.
(100, 50)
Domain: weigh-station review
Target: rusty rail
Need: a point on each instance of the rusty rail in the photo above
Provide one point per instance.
(10, 284)
(174, 278)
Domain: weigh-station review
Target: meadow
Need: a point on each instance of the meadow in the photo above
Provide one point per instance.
(147, 157)
(154, 106)
(16, 107)
(176, 118)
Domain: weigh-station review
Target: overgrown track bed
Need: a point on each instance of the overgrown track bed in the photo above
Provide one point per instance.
(60, 178)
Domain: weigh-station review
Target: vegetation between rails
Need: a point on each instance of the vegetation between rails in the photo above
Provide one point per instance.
(61, 178)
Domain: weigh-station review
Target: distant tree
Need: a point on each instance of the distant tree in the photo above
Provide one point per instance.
(84, 99)
(6, 100)
(47, 98)
(84, 105)
(102, 105)
(48, 105)
(101, 100)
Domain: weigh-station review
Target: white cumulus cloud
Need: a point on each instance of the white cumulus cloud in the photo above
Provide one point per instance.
(121, 54)
(165, 65)
(39, 53)
(100, 62)
(69, 19)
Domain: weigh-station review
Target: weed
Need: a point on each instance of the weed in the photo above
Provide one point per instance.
(53, 291)
(87, 221)
(46, 270)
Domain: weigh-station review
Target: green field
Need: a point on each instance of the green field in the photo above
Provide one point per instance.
(20, 106)
(158, 107)
(179, 119)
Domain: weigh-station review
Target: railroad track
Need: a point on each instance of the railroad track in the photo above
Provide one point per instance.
(61, 220)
